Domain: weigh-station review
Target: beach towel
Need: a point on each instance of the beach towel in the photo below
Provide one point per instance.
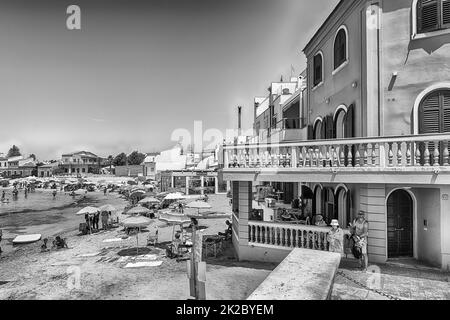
(144, 264)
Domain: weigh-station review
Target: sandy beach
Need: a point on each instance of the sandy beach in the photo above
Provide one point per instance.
(94, 269)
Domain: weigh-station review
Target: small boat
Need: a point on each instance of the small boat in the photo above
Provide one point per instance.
(27, 238)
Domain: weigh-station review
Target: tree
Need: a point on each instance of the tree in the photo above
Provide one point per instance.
(110, 160)
(136, 158)
(14, 151)
(120, 160)
(33, 156)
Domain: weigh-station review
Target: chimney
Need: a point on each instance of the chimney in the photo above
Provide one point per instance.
(239, 120)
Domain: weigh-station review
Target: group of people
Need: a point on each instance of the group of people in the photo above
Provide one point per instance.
(58, 243)
(92, 221)
(358, 235)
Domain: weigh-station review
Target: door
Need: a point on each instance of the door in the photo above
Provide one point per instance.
(400, 224)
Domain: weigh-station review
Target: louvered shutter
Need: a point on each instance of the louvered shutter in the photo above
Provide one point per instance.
(330, 127)
(428, 15)
(349, 132)
(445, 99)
(323, 129)
(429, 114)
(310, 132)
(446, 13)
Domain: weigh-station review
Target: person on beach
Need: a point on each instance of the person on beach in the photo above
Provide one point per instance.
(44, 247)
(54, 194)
(1, 235)
(105, 217)
(104, 191)
(96, 220)
(3, 195)
(88, 221)
(360, 232)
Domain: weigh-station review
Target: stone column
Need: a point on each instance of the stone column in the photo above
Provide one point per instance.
(445, 228)
(202, 185)
(187, 185)
(216, 185)
(245, 207)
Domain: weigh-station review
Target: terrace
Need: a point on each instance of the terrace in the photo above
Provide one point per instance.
(357, 160)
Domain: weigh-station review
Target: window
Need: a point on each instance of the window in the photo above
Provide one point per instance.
(340, 48)
(434, 113)
(433, 15)
(318, 69)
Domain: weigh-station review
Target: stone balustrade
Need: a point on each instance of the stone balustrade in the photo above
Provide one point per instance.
(288, 236)
(379, 152)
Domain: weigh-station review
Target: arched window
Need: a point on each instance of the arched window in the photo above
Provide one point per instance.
(434, 112)
(318, 129)
(339, 122)
(432, 15)
(340, 47)
(434, 115)
(318, 69)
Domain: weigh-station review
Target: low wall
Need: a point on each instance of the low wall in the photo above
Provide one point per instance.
(304, 275)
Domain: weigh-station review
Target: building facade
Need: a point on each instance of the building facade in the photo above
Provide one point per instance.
(377, 117)
(81, 162)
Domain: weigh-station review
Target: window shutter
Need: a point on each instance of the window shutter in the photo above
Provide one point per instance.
(446, 13)
(310, 132)
(330, 127)
(429, 114)
(350, 122)
(323, 131)
(428, 15)
(446, 110)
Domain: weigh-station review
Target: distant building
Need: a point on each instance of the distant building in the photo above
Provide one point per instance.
(17, 167)
(150, 165)
(46, 170)
(81, 162)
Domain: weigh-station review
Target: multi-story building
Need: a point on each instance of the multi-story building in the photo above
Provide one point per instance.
(81, 162)
(17, 167)
(377, 116)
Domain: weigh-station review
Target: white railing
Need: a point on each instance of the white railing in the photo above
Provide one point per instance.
(288, 236)
(381, 152)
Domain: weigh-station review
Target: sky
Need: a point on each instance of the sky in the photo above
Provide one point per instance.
(139, 70)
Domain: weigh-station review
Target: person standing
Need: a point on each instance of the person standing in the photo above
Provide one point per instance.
(335, 237)
(105, 216)
(96, 219)
(360, 232)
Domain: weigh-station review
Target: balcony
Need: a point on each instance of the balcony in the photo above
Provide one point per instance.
(284, 130)
(421, 154)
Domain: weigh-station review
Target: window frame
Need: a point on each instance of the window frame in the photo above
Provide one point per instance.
(420, 34)
(336, 69)
(318, 84)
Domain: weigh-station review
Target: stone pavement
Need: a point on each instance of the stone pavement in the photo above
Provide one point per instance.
(384, 282)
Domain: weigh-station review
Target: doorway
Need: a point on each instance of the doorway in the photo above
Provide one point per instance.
(400, 219)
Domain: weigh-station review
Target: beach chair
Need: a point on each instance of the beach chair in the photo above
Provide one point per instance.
(152, 238)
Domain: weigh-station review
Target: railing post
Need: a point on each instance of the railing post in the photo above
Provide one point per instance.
(399, 155)
(418, 154)
(436, 154)
(427, 155)
(408, 154)
(294, 157)
(382, 155)
(445, 154)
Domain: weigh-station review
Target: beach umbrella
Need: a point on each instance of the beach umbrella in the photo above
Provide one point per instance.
(174, 219)
(174, 196)
(138, 210)
(149, 200)
(136, 222)
(87, 210)
(107, 207)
